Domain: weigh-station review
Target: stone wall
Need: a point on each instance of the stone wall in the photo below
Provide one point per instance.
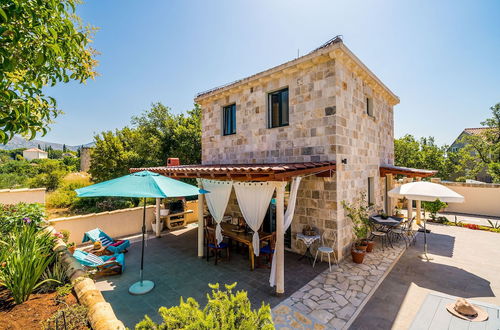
(307, 138)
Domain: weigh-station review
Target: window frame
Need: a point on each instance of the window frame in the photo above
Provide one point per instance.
(369, 106)
(280, 109)
(371, 190)
(230, 108)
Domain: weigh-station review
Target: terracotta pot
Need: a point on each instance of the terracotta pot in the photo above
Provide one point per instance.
(358, 256)
(71, 249)
(362, 247)
(369, 246)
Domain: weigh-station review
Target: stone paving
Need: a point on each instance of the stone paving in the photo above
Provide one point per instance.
(333, 299)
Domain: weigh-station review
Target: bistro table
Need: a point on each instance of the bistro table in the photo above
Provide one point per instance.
(389, 224)
(233, 232)
(308, 241)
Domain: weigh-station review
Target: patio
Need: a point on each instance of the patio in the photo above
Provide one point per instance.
(172, 263)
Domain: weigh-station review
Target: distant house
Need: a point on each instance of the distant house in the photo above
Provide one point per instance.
(34, 153)
(460, 142)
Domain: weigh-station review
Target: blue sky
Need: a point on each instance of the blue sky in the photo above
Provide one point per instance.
(442, 58)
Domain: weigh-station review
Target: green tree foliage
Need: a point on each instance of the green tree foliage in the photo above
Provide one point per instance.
(426, 154)
(434, 207)
(41, 43)
(154, 136)
(486, 146)
(224, 310)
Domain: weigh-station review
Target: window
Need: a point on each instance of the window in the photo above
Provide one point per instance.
(371, 190)
(278, 108)
(229, 119)
(369, 106)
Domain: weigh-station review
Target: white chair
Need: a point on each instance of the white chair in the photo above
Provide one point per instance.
(325, 249)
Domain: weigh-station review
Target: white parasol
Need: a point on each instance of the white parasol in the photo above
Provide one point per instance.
(426, 191)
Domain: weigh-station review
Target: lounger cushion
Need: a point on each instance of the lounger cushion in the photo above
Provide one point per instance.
(105, 241)
(94, 259)
(117, 243)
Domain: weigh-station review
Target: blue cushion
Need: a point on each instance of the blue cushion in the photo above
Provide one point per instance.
(222, 245)
(266, 249)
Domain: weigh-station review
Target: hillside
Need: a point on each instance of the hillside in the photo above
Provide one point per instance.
(20, 142)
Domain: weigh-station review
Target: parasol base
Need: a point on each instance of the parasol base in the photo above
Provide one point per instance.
(425, 256)
(141, 287)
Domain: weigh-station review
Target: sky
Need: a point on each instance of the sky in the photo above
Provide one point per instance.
(442, 58)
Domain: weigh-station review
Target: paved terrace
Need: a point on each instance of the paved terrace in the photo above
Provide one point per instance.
(172, 263)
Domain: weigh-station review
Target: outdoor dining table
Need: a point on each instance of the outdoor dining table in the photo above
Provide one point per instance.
(388, 224)
(308, 241)
(233, 232)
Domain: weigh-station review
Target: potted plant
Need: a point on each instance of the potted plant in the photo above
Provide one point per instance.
(71, 247)
(397, 212)
(358, 213)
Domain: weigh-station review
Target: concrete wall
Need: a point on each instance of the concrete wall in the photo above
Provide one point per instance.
(14, 196)
(481, 199)
(192, 217)
(117, 223)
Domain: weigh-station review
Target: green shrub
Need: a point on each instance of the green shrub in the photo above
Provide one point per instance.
(53, 277)
(17, 215)
(25, 253)
(102, 204)
(434, 207)
(224, 310)
(74, 317)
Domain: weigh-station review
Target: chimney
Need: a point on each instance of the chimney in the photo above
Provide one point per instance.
(173, 162)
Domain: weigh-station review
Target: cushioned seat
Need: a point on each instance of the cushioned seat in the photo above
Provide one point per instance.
(266, 249)
(222, 245)
(378, 233)
(325, 249)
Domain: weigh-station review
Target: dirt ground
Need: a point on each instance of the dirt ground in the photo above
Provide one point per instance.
(30, 314)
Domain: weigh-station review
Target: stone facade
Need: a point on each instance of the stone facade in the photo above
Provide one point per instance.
(328, 121)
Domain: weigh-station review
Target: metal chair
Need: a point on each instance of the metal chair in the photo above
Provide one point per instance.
(405, 232)
(379, 233)
(325, 249)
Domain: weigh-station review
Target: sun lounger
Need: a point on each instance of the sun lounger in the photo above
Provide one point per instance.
(97, 235)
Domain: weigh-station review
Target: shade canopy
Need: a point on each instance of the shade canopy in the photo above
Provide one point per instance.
(426, 191)
(141, 184)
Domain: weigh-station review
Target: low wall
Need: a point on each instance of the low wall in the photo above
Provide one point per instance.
(480, 199)
(192, 217)
(117, 223)
(14, 196)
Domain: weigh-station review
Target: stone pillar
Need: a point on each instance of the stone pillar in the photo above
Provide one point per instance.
(409, 205)
(158, 221)
(280, 237)
(201, 224)
(390, 201)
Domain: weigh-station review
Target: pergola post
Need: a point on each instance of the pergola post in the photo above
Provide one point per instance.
(280, 237)
(390, 201)
(201, 224)
(158, 207)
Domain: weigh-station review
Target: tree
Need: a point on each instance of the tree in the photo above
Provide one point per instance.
(41, 43)
(155, 135)
(487, 145)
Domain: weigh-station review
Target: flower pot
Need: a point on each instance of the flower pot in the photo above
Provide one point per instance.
(71, 249)
(362, 247)
(358, 256)
(369, 246)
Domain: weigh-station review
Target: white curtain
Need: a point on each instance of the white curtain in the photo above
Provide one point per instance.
(292, 200)
(217, 199)
(253, 199)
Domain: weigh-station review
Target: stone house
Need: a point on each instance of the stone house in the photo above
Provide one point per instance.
(324, 116)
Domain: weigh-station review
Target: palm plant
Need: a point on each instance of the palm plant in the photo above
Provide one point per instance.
(25, 253)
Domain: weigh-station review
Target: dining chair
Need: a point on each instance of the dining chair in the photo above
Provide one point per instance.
(267, 251)
(380, 234)
(212, 245)
(328, 250)
(405, 232)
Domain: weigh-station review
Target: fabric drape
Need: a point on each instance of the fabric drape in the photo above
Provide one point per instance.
(217, 199)
(253, 199)
(290, 210)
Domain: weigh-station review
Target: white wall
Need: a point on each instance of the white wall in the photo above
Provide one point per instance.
(116, 223)
(481, 199)
(14, 196)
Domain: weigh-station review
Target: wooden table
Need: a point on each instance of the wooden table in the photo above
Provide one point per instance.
(433, 315)
(228, 230)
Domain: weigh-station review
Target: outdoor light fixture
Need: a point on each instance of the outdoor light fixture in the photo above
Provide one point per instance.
(344, 161)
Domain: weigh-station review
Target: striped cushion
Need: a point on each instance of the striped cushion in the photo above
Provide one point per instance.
(94, 259)
(105, 241)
